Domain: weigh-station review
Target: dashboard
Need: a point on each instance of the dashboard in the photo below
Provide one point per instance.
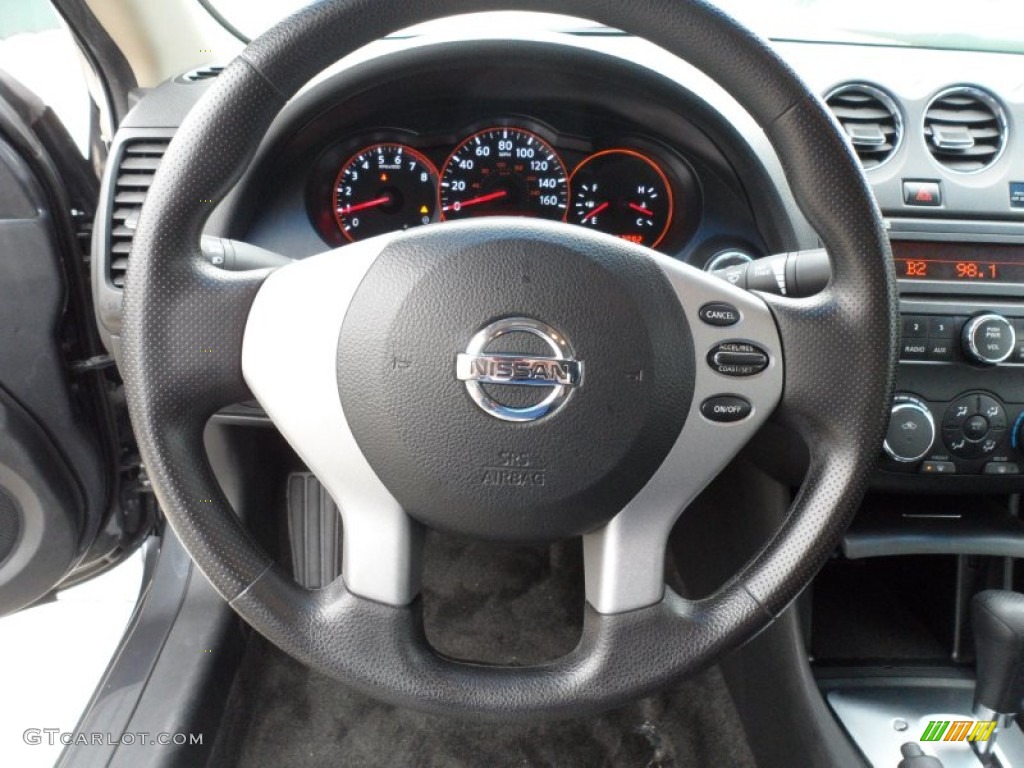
(611, 133)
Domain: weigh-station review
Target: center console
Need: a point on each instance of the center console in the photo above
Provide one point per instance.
(896, 649)
(957, 418)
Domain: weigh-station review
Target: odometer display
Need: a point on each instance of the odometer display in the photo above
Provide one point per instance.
(384, 188)
(959, 262)
(504, 172)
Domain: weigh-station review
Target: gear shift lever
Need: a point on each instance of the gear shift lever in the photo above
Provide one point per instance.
(997, 617)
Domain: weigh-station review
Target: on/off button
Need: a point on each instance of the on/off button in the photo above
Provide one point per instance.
(725, 409)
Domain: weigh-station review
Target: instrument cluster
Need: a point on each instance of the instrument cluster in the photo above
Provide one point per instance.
(628, 187)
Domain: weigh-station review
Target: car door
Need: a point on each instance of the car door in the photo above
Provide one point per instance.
(68, 509)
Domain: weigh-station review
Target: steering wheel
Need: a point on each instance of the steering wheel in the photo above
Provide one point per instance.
(508, 379)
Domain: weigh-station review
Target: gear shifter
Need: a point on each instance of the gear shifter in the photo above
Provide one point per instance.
(998, 621)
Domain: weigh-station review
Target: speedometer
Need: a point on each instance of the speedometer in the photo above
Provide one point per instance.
(504, 172)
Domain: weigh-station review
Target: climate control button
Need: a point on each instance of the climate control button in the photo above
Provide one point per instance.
(973, 426)
(911, 430)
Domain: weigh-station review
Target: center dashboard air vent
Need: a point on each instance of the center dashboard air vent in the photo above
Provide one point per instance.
(138, 163)
(871, 120)
(201, 73)
(965, 129)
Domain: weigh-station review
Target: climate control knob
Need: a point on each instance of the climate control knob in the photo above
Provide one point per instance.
(989, 338)
(911, 430)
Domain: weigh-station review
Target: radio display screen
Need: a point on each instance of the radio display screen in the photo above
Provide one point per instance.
(959, 262)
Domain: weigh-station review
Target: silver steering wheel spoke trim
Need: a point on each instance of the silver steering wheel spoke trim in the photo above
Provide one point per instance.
(624, 561)
(289, 359)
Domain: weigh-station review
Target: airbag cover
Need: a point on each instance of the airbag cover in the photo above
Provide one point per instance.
(457, 467)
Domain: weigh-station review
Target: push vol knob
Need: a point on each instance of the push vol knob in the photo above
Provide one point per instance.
(989, 339)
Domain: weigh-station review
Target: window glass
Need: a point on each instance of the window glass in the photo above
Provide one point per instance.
(925, 23)
(37, 50)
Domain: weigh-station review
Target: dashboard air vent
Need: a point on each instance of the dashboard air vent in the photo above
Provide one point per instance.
(139, 161)
(870, 119)
(202, 73)
(965, 129)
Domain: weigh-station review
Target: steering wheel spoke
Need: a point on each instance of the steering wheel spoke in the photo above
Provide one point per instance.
(289, 360)
(625, 558)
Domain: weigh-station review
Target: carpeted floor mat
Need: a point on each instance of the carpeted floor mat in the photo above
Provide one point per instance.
(485, 603)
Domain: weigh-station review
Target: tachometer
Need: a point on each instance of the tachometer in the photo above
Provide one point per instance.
(504, 171)
(383, 188)
(623, 193)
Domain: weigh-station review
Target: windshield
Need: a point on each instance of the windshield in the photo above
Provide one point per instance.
(989, 26)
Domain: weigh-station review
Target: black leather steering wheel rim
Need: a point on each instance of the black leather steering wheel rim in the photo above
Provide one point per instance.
(184, 322)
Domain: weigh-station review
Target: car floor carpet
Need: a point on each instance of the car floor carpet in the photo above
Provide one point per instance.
(486, 603)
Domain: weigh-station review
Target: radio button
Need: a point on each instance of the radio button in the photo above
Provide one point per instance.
(915, 326)
(940, 349)
(942, 328)
(914, 349)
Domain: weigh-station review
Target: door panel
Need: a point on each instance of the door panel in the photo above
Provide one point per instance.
(57, 473)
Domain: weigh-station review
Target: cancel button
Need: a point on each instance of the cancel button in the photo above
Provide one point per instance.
(725, 408)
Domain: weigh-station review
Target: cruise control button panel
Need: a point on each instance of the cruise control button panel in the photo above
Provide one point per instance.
(737, 358)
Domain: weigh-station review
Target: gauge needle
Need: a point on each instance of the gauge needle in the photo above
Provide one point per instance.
(597, 210)
(641, 209)
(476, 200)
(368, 204)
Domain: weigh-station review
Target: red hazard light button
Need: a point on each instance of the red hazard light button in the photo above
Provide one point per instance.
(922, 193)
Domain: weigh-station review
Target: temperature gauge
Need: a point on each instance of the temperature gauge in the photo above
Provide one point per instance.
(384, 188)
(623, 193)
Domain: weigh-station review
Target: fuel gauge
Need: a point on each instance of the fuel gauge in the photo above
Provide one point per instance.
(623, 193)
